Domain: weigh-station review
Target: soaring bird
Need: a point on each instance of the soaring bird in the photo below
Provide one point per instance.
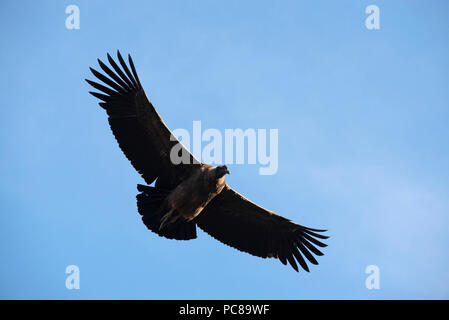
(191, 193)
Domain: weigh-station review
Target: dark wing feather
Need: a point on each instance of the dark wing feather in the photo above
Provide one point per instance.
(138, 128)
(240, 223)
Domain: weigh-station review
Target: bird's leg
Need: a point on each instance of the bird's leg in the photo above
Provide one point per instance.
(165, 218)
(168, 218)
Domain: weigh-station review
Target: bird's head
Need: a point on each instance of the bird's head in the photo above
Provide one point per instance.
(220, 171)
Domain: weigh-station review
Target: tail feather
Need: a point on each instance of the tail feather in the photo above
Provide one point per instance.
(150, 204)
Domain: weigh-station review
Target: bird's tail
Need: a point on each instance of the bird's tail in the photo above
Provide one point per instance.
(150, 204)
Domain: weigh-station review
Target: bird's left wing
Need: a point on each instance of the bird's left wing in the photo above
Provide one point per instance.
(240, 223)
(140, 132)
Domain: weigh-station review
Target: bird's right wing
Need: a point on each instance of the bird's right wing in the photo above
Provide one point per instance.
(137, 127)
(240, 223)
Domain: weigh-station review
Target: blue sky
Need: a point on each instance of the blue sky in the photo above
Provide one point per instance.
(363, 145)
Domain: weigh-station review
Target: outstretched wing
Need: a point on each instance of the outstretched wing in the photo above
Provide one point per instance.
(240, 223)
(139, 130)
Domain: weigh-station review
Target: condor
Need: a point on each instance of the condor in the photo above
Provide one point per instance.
(187, 195)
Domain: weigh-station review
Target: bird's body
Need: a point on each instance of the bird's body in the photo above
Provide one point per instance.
(190, 193)
(191, 196)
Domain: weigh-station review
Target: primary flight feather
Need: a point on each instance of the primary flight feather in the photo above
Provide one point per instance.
(192, 193)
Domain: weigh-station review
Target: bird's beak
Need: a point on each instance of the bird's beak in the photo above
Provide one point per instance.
(227, 171)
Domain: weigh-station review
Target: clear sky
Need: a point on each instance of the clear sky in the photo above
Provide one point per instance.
(363, 145)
